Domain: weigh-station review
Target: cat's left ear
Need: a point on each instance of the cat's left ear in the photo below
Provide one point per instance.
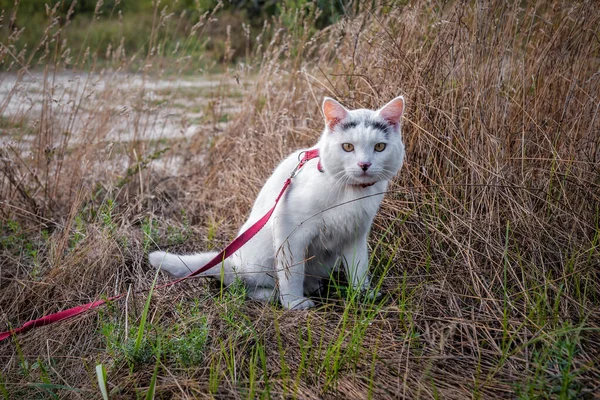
(334, 112)
(392, 111)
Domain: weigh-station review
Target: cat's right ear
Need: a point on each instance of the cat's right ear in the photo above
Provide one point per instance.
(334, 112)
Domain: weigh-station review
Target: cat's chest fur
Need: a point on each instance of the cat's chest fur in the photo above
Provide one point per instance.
(333, 230)
(343, 216)
(330, 215)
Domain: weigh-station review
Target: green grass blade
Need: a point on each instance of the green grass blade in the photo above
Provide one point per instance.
(152, 387)
(101, 374)
(3, 390)
(142, 327)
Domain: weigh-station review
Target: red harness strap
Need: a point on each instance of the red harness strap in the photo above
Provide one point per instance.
(234, 246)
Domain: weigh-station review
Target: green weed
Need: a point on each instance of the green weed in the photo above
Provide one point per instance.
(555, 373)
(188, 349)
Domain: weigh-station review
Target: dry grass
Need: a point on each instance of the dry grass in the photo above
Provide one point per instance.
(487, 245)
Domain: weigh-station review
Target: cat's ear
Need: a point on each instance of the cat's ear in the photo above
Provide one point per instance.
(334, 112)
(392, 111)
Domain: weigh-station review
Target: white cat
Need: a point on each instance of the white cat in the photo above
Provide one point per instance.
(324, 217)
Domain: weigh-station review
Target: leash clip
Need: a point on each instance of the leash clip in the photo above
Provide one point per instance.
(295, 170)
(301, 162)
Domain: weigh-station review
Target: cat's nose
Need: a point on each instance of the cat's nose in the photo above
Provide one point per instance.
(364, 165)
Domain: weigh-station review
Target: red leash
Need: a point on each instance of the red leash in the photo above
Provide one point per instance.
(225, 253)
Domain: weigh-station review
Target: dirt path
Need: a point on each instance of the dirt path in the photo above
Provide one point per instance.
(133, 107)
(105, 111)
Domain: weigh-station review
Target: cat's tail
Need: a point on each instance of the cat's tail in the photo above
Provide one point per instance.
(179, 266)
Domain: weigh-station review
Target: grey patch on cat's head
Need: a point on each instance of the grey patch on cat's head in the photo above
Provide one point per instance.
(369, 123)
(379, 125)
(348, 125)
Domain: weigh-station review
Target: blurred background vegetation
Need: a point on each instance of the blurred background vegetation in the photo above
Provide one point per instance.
(199, 33)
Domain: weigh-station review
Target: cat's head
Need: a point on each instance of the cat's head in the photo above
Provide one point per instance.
(362, 147)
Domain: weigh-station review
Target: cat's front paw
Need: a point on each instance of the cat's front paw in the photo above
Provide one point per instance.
(301, 303)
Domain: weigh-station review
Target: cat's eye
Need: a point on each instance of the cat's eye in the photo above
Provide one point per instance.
(347, 147)
(380, 147)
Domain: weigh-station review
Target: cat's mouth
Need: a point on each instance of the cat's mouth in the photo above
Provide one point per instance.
(367, 183)
(362, 185)
(363, 179)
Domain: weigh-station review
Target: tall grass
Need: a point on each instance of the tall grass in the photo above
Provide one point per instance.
(486, 247)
